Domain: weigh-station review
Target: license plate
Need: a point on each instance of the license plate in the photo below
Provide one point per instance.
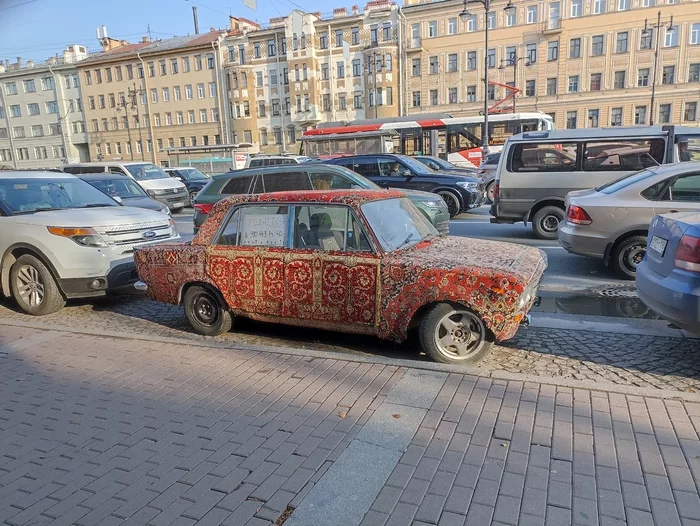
(658, 244)
(178, 205)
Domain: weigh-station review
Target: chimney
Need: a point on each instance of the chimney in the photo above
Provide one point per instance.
(340, 12)
(144, 40)
(30, 64)
(104, 31)
(356, 10)
(19, 62)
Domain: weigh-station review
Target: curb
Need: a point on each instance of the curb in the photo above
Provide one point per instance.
(394, 362)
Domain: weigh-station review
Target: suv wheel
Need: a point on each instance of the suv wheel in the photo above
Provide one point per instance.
(451, 200)
(627, 255)
(34, 288)
(489, 192)
(193, 194)
(545, 222)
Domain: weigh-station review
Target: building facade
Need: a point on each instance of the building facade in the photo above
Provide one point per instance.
(306, 69)
(585, 62)
(42, 124)
(142, 98)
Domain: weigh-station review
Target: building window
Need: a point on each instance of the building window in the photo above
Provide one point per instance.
(305, 71)
(342, 102)
(416, 99)
(576, 8)
(261, 108)
(553, 50)
(671, 37)
(356, 67)
(434, 68)
(324, 71)
(432, 29)
(278, 135)
(491, 93)
(271, 48)
(597, 45)
(275, 107)
(491, 20)
(37, 130)
(643, 77)
(571, 118)
(645, 41)
(256, 50)
(552, 86)
(388, 62)
(200, 91)
(471, 60)
(18, 132)
(593, 118)
(595, 81)
(355, 36)
(622, 42)
(88, 79)
(471, 24)
(620, 77)
(340, 69)
(154, 95)
(386, 31)
(291, 135)
(532, 14)
(694, 73)
(452, 95)
(323, 40)
(575, 48)
(29, 86)
(151, 69)
(202, 116)
(695, 34)
(471, 93)
(434, 97)
(451, 26)
(669, 74)
(529, 88)
(47, 83)
(640, 115)
(623, 5)
(531, 53)
(374, 34)
(32, 109)
(156, 119)
(616, 117)
(339, 38)
(573, 84)
(598, 7)
(491, 58)
(357, 101)
(452, 62)
(691, 112)
(664, 113)
(511, 17)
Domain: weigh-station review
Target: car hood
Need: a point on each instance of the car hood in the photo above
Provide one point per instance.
(163, 183)
(143, 202)
(468, 254)
(91, 217)
(457, 176)
(428, 196)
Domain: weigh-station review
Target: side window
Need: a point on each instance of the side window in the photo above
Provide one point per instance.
(328, 228)
(256, 163)
(657, 192)
(366, 168)
(391, 168)
(330, 181)
(115, 170)
(256, 226)
(544, 157)
(237, 185)
(258, 187)
(281, 182)
(686, 188)
(689, 148)
(622, 155)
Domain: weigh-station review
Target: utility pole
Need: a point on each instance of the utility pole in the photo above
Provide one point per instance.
(134, 93)
(646, 32)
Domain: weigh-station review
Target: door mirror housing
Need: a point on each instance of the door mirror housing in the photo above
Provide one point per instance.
(117, 199)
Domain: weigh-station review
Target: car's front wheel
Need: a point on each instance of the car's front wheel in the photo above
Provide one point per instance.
(451, 200)
(34, 288)
(627, 255)
(454, 334)
(193, 194)
(490, 191)
(206, 312)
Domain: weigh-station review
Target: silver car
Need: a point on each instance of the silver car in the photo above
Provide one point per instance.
(487, 173)
(611, 222)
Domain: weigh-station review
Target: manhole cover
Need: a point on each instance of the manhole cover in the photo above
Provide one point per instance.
(618, 292)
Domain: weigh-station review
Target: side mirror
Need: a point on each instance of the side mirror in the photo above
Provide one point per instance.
(408, 173)
(117, 199)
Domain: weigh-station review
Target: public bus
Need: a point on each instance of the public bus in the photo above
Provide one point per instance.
(456, 139)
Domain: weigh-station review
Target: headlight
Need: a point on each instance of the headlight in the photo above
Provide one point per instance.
(438, 203)
(154, 193)
(86, 237)
(467, 184)
(526, 296)
(165, 209)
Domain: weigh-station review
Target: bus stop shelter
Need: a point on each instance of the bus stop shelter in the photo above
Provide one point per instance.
(216, 158)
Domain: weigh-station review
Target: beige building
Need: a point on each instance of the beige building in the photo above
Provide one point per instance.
(585, 62)
(142, 98)
(304, 70)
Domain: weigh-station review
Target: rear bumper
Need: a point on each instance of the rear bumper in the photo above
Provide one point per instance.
(577, 242)
(674, 297)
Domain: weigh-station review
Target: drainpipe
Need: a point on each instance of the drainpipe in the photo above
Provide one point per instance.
(58, 92)
(13, 153)
(223, 126)
(278, 50)
(154, 147)
(330, 73)
(402, 60)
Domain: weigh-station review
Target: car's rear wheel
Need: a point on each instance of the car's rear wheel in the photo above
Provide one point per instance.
(193, 194)
(489, 192)
(206, 311)
(627, 254)
(34, 288)
(451, 200)
(545, 222)
(454, 334)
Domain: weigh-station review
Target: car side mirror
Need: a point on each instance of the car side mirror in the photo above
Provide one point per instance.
(408, 173)
(117, 199)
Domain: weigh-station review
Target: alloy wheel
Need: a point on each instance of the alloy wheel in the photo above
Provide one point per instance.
(460, 334)
(30, 285)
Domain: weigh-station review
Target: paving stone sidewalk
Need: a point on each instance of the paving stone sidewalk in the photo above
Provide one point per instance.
(103, 430)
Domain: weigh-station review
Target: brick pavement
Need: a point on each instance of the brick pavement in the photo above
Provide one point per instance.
(104, 430)
(621, 359)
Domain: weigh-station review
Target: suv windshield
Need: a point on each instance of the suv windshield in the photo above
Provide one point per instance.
(26, 196)
(146, 171)
(191, 174)
(397, 223)
(414, 165)
(123, 187)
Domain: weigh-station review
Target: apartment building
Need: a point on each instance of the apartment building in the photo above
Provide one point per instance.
(145, 97)
(41, 112)
(305, 69)
(586, 62)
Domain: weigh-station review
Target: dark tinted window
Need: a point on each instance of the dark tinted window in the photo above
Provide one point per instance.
(656, 192)
(84, 169)
(623, 155)
(331, 181)
(237, 185)
(258, 187)
(544, 157)
(368, 168)
(281, 182)
(255, 163)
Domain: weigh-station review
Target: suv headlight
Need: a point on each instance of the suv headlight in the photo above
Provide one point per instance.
(86, 237)
(437, 203)
(154, 193)
(467, 184)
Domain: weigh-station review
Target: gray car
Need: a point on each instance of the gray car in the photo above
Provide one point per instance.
(487, 173)
(611, 222)
(128, 192)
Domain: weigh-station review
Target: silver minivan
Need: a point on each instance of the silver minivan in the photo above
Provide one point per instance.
(537, 169)
(158, 184)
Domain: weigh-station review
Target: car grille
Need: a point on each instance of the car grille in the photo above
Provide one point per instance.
(128, 238)
(170, 191)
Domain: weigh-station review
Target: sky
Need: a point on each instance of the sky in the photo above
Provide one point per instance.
(38, 29)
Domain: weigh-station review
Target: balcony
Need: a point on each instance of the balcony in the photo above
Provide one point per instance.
(552, 26)
(310, 116)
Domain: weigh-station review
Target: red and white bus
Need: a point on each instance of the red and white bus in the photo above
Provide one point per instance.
(457, 139)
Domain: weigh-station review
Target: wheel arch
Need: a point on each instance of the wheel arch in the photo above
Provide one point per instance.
(612, 245)
(12, 254)
(204, 284)
(547, 201)
(452, 191)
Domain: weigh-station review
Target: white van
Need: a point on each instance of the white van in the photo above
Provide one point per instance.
(158, 184)
(537, 169)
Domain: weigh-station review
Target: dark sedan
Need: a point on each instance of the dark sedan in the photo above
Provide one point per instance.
(192, 178)
(125, 190)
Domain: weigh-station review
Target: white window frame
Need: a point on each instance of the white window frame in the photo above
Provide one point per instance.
(532, 14)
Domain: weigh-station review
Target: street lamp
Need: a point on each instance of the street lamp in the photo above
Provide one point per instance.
(513, 60)
(648, 31)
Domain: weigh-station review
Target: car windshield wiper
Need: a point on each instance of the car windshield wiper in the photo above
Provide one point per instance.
(41, 209)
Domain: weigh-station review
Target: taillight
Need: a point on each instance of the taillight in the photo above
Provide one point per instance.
(495, 190)
(688, 253)
(203, 208)
(578, 216)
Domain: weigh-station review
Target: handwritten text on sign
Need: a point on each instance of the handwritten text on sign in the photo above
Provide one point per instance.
(267, 230)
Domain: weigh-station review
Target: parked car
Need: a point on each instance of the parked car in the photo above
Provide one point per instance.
(124, 190)
(61, 238)
(487, 173)
(668, 278)
(193, 179)
(460, 192)
(152, 178)
(441, 165)
(611, 222)
(260, 160)
(311, 176)
(362, 261)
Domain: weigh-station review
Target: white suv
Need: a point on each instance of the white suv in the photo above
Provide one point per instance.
(61, 238)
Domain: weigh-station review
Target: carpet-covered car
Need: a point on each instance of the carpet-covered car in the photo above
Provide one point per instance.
(361, 261)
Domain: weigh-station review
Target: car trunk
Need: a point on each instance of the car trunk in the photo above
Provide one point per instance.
(664, 235)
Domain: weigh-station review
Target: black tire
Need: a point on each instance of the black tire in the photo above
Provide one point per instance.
(34, 288)
(431, 326)
(627, 254)
(177, 210)
(193, 194)
(452, 201)
(545, 222)
(489, 192)
(206, 311)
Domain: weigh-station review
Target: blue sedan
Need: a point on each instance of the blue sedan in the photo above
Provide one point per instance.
(668, 278)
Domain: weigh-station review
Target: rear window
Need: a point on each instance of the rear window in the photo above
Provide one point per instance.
(237, 185)
(544, 157)
(83, 169)
(622, 155)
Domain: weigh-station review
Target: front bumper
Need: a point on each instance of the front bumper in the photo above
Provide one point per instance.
(120, 277)
(474, 198)
(574, 240)
(173, 201)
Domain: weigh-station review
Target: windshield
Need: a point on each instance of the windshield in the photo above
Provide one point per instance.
(146, 171)
(625, 181)
(26, 196)
(414, 165)
(123, 187)
(191, 174)
(397, 223)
